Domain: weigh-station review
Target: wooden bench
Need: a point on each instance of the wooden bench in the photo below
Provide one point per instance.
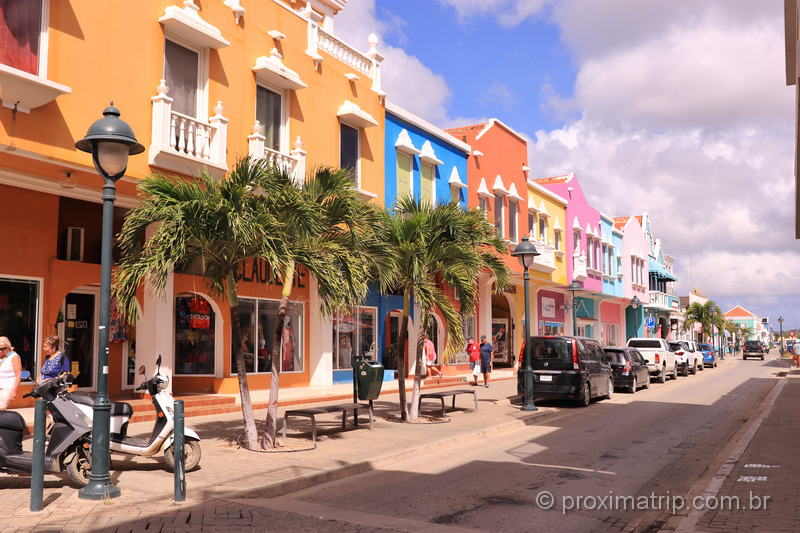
(311, 412)
(444, 394)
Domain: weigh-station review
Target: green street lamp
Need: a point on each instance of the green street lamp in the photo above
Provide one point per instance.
(780, 323)
(110, 141)
(526, 252)
(573, 287)
(635, 304)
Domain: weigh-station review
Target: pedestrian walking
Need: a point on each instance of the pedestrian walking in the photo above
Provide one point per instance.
(796, 353)
(474, 353)
(429, 357)
(10, 373)
(56, 361)
(487, 353)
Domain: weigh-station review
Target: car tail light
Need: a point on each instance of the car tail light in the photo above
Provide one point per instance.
(575, 363)
(658, 358)
(678, 353)
(627, 368)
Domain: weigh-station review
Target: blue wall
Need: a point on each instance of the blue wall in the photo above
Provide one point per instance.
(612, 287)
(451, 156)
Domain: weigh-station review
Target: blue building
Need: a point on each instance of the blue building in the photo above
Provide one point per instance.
(430, 164)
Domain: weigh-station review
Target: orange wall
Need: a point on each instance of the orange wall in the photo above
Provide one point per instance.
(104, 53)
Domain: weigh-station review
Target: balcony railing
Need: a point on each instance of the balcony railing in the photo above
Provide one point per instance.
(185, 144)
(546, 260)
(368, 64)
(579, 272)
(293, 163)
(661, 300)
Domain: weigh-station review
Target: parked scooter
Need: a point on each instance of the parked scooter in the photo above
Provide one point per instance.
(161, 438)
(68, 445)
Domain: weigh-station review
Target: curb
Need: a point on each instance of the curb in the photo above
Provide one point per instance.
(304, 482)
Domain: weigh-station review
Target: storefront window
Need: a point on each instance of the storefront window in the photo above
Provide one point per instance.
(194, 335)
(551, 328)
(262, 341)
(354, 334)
(19, 311)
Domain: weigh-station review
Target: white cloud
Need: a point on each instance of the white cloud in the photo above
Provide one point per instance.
(508, 12)
(404, 77)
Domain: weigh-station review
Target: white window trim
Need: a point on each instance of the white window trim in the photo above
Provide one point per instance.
(356, 170)
(302, 314)
(284, 136)
(513, 223)
(410, 157)
(37, 354)
(44, 39)
(202, 72)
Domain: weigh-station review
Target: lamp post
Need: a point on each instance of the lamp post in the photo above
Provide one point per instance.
(780, 323)
(110, 141)
(573, 287)
(526, 252)
(635, 303)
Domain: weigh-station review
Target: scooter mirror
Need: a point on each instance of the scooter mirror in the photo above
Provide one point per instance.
(158, 363)
(141, 370)
(25, 374)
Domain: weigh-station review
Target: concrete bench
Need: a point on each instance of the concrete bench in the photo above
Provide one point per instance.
(311, 412)
(452, 393)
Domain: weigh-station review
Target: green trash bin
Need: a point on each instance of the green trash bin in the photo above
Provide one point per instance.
(369, 374)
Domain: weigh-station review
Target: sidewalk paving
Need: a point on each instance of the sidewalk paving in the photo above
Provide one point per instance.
(228, 473)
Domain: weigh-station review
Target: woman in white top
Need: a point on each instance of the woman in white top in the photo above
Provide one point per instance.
(10, 373)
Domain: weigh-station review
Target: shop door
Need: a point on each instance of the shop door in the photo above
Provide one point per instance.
(79, 332)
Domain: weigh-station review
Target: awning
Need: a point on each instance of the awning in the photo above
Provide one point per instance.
(660, 271)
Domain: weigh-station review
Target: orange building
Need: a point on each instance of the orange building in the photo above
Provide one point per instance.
(201, 83)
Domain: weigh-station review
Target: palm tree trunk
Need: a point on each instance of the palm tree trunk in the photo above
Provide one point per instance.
(270, 432)
(401, 356)
(250, 432)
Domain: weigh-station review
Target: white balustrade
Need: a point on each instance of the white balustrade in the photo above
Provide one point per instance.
(293, 162)
(579, 272)
(344, 53)
(183, 143)
(546, 260)
(660, 299)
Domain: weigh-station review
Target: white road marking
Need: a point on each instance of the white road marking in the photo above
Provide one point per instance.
(751, 479)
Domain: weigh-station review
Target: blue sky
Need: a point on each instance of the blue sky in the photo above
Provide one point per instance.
(494, 71)
(674, 107)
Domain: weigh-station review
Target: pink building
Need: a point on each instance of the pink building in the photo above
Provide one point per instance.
(635, 271)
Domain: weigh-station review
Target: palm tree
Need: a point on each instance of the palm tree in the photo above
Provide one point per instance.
(209, 226)
(704, 314)
(439, 249)
(323, 226)
(328, 229)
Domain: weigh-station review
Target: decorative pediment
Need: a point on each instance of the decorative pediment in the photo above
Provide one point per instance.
(513, 194)
(185, 22)
(350, 113)
(532, 205)
(483, 190)
(428, 155)
(499, 187)
(405, 144)
(543, 212)
(455, 180)
(557, 225)
(575, 224)
(271, 71)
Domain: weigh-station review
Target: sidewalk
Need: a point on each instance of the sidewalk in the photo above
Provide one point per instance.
(227, 474)
(767, 469)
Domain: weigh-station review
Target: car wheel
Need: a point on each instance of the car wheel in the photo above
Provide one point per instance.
(685, 371)
(647, 383)
(762, 357)
(587, 396)
(702, 366)
(662, 376)
(610, 392)
(675, 372)
(633, 386)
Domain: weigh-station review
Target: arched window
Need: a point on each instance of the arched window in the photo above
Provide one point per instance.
(194, 335)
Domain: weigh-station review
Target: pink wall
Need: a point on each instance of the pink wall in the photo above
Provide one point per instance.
(586, 214)
(634, 239)
(610, 313)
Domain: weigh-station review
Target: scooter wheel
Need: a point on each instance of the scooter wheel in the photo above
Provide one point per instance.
(79, 468)
(191, 450)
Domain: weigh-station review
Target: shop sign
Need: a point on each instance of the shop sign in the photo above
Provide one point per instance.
(548, 307)
(259, 271)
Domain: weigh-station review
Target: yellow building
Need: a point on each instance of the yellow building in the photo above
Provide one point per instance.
(202, 84)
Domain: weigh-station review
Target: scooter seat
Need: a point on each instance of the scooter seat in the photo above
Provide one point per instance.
(12, 420)
(11, 427)
(81, 398)
(121, 409)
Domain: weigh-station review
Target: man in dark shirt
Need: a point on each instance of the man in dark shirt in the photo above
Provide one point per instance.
(487, 352)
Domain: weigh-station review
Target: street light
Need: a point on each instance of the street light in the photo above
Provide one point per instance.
(526, 252)
(574, 286)
(110, 141)
(780, 323)
(635, 303)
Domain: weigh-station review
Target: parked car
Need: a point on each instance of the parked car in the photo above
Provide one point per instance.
(754, 349)
(685, 357)
(629, 368)
(709, 355)
(694, 346)
(660, 359)
(573, 368)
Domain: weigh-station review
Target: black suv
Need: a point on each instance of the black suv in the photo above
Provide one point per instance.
(574, 368)
(754, 349)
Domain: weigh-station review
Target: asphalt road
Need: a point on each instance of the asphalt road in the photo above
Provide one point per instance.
(655, 444)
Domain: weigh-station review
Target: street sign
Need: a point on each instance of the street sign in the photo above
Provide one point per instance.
(650, 322)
